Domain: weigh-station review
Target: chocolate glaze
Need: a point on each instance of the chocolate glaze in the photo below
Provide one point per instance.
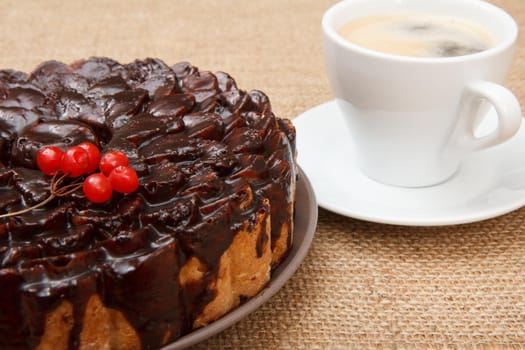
(200, 146)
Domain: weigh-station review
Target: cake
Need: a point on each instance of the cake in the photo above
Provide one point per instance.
(211, 218)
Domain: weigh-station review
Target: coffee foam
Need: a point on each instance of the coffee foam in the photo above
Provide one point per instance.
(418, 35)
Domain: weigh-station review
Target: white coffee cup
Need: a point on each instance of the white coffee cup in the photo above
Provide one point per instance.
(412, 119)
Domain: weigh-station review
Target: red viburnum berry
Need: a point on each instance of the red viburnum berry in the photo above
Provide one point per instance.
(111, 160)
(97, 188)
(124, 179)
(93, 156)
(48, 159)
(75, 162)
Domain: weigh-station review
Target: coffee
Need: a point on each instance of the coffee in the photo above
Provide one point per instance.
(418, 35)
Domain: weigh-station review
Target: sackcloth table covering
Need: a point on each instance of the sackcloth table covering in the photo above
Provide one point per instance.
(363, 285)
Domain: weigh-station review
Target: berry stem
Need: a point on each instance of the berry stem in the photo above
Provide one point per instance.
(26, 210)
(56, 191)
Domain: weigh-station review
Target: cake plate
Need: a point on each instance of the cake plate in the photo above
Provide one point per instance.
(305, 223)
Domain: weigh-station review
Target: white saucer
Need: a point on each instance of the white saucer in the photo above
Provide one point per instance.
(489, 183)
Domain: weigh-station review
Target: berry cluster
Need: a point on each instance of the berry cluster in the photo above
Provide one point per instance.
(84, 159)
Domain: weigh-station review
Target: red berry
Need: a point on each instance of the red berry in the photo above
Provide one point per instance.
(93, 156)
(124, 179)
(75, 162)
(97, 188)
(48, 159)
(111, 160)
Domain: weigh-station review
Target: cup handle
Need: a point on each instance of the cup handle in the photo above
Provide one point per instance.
(507, 109)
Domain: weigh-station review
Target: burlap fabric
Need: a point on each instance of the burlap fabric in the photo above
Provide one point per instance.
(362, 285)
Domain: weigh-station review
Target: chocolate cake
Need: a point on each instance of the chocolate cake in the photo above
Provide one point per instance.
(212, 216)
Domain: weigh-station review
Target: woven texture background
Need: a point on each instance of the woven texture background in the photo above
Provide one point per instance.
(362, 285)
